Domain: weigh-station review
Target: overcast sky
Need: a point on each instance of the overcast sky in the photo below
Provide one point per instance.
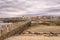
(13, 8)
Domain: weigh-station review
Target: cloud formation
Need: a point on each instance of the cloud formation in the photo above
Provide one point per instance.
(13, 8)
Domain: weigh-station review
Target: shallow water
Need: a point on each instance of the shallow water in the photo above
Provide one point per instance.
(1, 24)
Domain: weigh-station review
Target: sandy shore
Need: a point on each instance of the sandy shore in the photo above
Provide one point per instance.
(32, 38)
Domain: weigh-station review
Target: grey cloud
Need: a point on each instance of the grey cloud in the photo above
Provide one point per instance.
(56, 9)
(14, 5)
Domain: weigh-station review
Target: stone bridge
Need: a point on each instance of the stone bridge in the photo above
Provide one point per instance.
(11, 29)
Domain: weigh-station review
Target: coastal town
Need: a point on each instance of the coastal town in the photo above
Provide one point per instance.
(29, 19)
(29, 26)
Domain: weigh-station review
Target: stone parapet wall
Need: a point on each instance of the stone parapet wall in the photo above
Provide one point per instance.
(11, 29)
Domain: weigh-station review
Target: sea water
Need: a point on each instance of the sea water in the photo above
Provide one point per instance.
(2, 23)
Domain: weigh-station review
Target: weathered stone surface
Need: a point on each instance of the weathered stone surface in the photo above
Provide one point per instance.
(13, 29)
